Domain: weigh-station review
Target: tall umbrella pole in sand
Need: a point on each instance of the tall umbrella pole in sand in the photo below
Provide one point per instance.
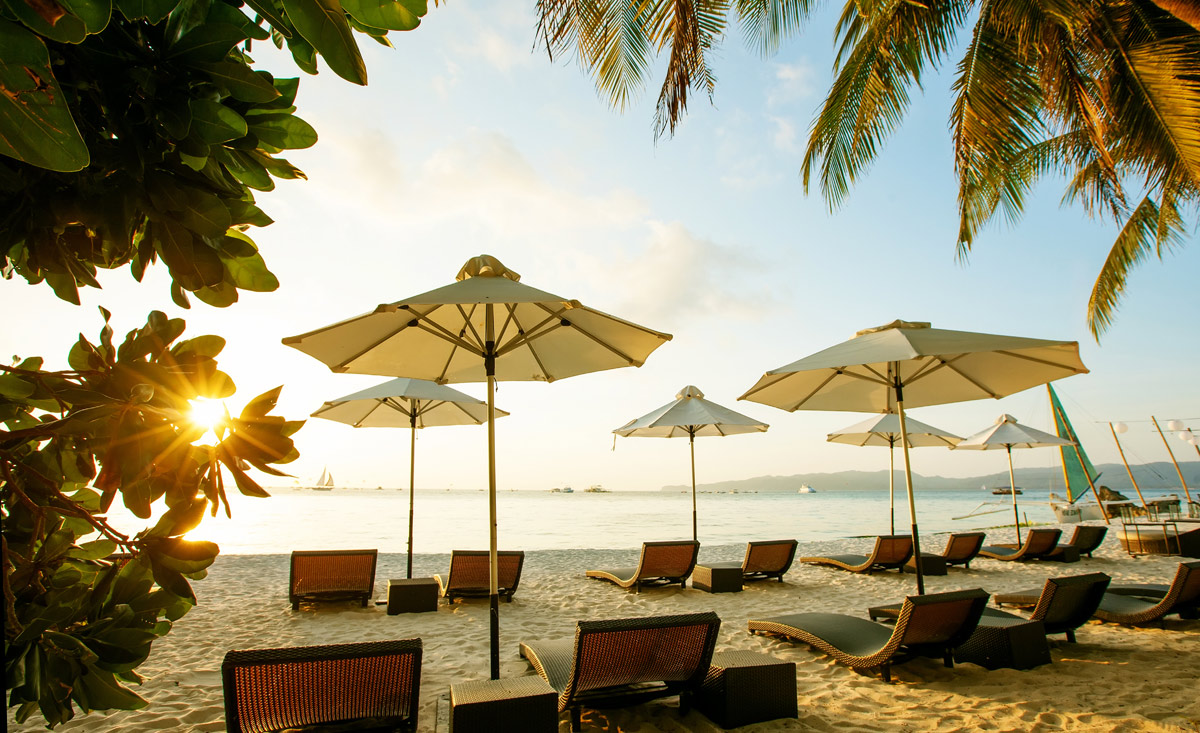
(483, 327)
(1007, 433)
(885, 430)
(691, 415)
(883, 369)
(412, 403)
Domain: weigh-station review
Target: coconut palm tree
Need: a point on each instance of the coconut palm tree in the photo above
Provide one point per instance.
(1106, 92)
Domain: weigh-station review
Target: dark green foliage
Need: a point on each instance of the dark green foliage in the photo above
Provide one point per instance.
(138, 130)
(83, 602)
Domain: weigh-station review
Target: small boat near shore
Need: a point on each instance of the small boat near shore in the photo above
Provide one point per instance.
(596, 489)
(806, 489)
(1007, 491)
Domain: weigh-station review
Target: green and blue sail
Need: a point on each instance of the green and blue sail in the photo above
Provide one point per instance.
(1076, 466)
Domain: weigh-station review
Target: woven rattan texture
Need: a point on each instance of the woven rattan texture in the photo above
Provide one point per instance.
(962, 548)
(744, 687)
(333, 572)
(1038, 542)
(768, 559)
(1183, 593)
(273, 689)
(470, 573)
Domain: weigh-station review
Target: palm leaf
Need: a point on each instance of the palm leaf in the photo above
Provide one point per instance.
(870, 93)
(1137, 240)
(767, 22)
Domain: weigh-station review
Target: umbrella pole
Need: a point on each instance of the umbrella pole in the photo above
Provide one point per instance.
(493, 593)
(892, 484)
(1012, 486)
(912, 506)
(412, 486)
(692, 445)
(1173, 462)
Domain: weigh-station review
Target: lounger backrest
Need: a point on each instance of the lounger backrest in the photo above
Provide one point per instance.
(668, 559)
(319, 571)
(273, 689)
(892, 550)
(472, 569)
(769, 557)
(1087, 538)
(1185, 587)
(635, 650)
(1041, 541)
(940, 619)
(1066, 603)
(963, 546)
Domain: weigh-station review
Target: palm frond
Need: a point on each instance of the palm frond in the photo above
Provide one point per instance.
(690, 28)
(767, 22)
(870, 93)
(1138, 239)
(995, 117)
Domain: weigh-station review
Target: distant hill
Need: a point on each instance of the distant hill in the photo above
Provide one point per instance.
(1149, 476)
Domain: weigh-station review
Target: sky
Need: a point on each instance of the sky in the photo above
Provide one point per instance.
(469, 141)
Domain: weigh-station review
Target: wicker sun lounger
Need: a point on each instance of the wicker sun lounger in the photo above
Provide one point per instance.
(1038, 543)
(332, 575)
(375, 682)
(1134, 605)
(768, 559)
(661, 563)
(891, 553)
(1063, 605)
(962, 548)
(470, 574)
(929, 625)
(1084, 541)
(621, 662)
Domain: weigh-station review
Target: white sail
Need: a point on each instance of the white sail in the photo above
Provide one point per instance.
(328, 480)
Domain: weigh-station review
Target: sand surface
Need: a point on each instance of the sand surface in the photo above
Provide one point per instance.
(1114, 679)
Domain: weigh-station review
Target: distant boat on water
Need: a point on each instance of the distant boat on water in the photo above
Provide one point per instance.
(596, 489)
(325, 483)
(563, 490)
(806, 489)
(1007, 491)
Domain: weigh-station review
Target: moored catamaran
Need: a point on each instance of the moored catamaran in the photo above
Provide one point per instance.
(1079, 475)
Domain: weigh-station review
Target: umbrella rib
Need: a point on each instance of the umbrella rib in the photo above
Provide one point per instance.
(1036, 360)
(342, 364)
(628, 359)
(358, 423)
(817, 389)
(962, 374)
(393, 403)
(524, 337)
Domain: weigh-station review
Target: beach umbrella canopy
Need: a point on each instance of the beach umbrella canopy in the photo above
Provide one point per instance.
(884, 430)
(410, 403)
(485, 326)
(887, 368)
(690, 415)
(1007, 433)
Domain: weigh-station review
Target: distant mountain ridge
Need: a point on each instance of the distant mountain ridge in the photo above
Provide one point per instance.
(1160, 475)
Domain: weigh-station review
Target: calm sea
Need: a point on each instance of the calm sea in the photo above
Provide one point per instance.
(541, 520)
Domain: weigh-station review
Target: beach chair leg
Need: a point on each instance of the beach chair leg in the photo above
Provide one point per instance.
(948, 658)
(295, 605)
(576, 719)
(886, 671)
(1070, 636)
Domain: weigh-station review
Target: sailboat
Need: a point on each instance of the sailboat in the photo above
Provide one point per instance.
(325, 483)
(1079, 474)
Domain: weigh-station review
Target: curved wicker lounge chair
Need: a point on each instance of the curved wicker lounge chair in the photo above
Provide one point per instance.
(929, 625)
(891, 553)
(339, 684)
(1084, 541)
(1134, 605)
(470, 574)
(332, 575)
(768, 559)
(661, 563)
(962, 548)
(628, 661)
(1064, 603)
(1038, 543)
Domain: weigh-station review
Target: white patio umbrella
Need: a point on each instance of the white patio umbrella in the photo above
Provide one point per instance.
(886, 368)
(885, 430)
(691, 415)
(483, 327)
(1007, 433)
(411, 403)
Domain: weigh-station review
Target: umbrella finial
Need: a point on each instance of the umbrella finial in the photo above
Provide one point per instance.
(1006, 418)
(894, 324)
(689, 391)
(486, 266)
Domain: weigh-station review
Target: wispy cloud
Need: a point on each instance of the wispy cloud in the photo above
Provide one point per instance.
(785, 134)
(793, 83)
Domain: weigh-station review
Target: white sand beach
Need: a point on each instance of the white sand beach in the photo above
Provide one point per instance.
(1114, 679)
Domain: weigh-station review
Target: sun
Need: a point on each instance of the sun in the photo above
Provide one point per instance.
(207, 414)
